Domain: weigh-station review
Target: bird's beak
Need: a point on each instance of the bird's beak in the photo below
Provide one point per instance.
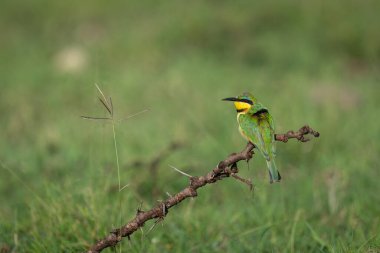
(230, 99)
(238, 100)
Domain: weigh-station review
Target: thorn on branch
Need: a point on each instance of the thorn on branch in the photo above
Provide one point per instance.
(115, 231)
(139, 209)
(180, 171)
(154, 224)
(234, 168)
(220, 167)
(164, 211)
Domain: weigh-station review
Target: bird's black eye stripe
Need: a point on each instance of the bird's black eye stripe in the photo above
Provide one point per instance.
(241, 110)
(246, 101)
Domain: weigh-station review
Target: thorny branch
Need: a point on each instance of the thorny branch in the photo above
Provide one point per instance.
(299, 135)
(225, 168)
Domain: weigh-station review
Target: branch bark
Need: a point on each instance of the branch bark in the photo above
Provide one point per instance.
(224, 169)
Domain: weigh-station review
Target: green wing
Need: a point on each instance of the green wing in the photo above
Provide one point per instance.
(260, 109)
(256, 107)
(259, 129)
(271, 125)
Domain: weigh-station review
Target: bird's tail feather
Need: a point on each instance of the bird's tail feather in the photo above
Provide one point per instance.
(274, 175)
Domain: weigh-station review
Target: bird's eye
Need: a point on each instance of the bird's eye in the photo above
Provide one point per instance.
(248, 101)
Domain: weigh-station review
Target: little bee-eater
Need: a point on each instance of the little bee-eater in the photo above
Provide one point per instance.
(257, 126)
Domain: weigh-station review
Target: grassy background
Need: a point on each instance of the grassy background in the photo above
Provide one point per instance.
(311, 62)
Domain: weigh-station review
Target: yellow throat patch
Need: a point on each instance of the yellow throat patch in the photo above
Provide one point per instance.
(242, 107)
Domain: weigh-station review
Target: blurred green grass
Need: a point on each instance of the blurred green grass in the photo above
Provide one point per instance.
(313, 62)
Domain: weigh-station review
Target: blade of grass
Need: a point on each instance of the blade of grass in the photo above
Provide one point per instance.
(316, 237)
(133, 115)
(293, 231)
(366, 242)
(101, 92)
(116, 154)
(94, 118)
(106, 106)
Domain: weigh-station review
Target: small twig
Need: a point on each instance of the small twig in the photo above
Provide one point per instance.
(246, 181)
(220, 172)
(299, 135)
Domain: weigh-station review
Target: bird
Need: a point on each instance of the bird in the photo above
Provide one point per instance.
(256, 125)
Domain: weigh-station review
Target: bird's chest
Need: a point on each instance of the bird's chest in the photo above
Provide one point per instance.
(243, 134)
(241, 130)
